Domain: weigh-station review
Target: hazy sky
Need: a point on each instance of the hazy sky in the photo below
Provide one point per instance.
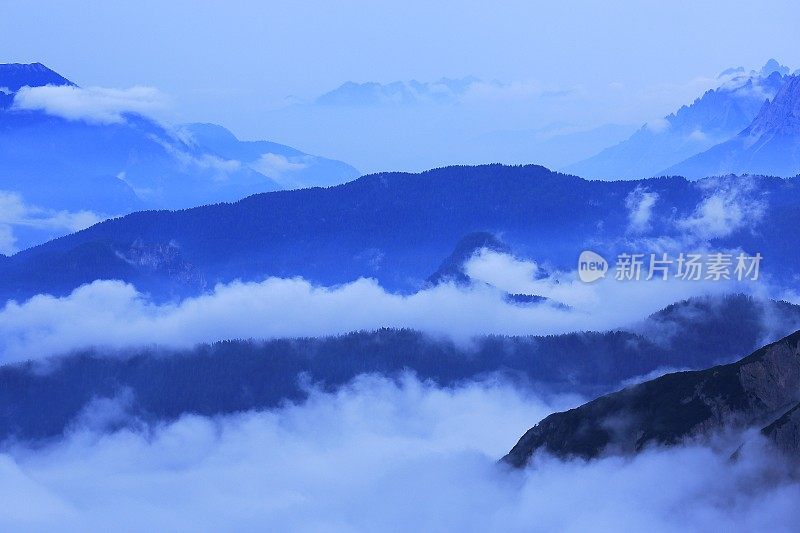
(232, 62)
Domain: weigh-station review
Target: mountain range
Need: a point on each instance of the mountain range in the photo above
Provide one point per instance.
(704, 127)
(398, 228)
(398, 92)
(143, 327)
(63, 171)
(59, 174)
(770, 145)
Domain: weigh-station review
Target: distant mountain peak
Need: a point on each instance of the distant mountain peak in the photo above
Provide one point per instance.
(719, 115)
(769, 145)
(14, 76)
(397, 92)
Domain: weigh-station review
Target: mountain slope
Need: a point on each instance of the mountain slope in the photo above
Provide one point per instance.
(398, 227)
(58, 165)
(394, 227)
(755, 391)
(48, 150)
(770, 145)
(715, 117)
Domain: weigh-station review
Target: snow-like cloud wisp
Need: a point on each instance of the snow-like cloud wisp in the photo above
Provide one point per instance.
(381, 455)
(96, 105)
(729, 206)
(281, 168)
(192, 161)
(640, 203)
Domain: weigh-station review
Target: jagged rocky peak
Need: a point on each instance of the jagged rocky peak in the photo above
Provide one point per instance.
(781, 116)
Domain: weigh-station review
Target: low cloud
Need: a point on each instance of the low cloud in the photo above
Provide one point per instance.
(15, 213)
(380, 455)
(480, 91)
(658, 125)
(640, 203)
(220, 167)
(95, 105)
(503, 271)
(698, 135)
(731, 205)
(8, 242)
(280, 168)
(113, 314)
(593, 305)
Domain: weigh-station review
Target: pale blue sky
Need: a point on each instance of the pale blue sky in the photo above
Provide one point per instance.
(234, 62)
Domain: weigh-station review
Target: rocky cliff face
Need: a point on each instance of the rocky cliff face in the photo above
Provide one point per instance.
(785, 432)
(781, 116)
(762, 389)
(164, 259)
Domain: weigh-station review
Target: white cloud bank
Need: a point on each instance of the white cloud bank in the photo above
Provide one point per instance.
(97, 105)
(380, 456)
(113, 314)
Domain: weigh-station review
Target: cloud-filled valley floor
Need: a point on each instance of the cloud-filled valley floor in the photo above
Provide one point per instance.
(379, 454)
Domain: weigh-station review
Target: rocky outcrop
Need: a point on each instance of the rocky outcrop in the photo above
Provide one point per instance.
(785, 432)
(781, 116)
(760, 390)
(164, 259)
